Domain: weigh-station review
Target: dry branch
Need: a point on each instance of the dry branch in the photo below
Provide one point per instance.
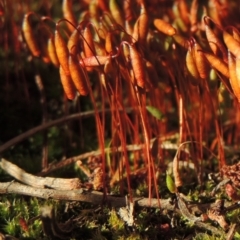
(45, 126)
(82, 195)
(39, 182)
(94, 197)
(130, 147)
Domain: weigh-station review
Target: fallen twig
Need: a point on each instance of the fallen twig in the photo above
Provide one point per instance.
(39, 182)
(82, 195)
(45, 126)
(94, 197)
(210, 228)
(231, 232)
(185, 211)
(132, 148)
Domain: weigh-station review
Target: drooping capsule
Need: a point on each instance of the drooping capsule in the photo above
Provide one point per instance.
(61, 51)
(164, 27)
(235, 84)
(218, 64)
(29, 36)
(68, 14)
(52, 52)
(137, 66)
(77, 75)
(67, 84)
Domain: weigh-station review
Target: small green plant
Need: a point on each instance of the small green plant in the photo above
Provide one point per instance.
(16, 215)
(115, 222)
